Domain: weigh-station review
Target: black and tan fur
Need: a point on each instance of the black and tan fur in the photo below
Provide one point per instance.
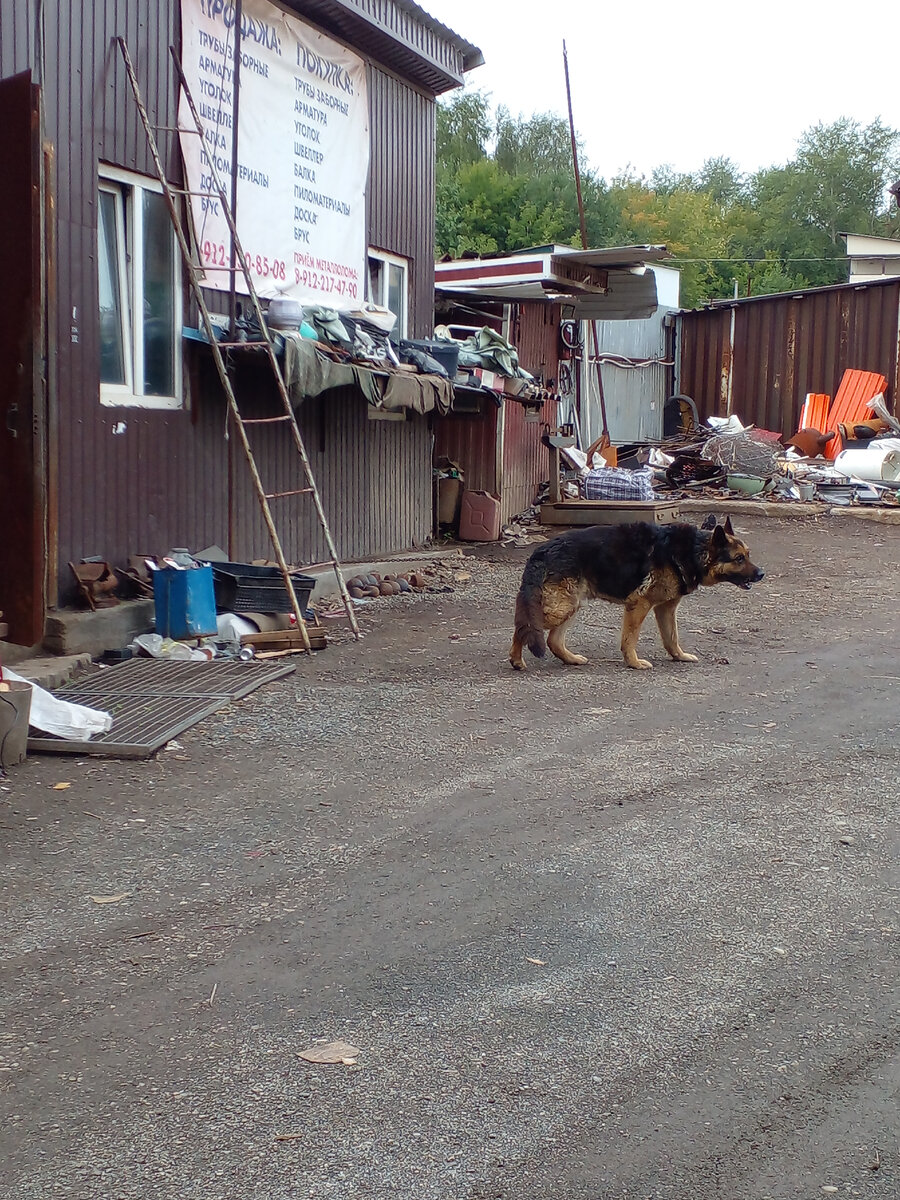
(643, 567)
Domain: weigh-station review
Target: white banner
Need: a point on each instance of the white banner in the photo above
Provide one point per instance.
(303, 151)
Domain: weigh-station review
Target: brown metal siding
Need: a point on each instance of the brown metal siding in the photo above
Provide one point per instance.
(165, 480)
(525, 459)
(535, 333)
(470, 440)
(374, 478)
(401, 187)
(786, 346)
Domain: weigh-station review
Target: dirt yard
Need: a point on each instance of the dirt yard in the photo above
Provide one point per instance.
(594, 933)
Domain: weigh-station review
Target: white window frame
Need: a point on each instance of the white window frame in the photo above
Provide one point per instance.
(401, 329)
(127, 186)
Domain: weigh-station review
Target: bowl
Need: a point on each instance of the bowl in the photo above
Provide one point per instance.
(750, 485)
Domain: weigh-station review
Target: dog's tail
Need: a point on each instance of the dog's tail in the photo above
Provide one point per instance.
(530, 609)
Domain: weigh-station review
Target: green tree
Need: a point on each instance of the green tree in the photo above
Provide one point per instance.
(776, 230)
(463, 127)
(534, 146)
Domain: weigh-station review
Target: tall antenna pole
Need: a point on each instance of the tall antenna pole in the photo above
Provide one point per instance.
(584, 241)
(595, 341)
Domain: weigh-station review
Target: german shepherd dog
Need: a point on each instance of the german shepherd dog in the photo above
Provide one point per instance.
(640, 566)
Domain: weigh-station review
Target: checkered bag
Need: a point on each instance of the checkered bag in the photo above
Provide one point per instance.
(618, 483)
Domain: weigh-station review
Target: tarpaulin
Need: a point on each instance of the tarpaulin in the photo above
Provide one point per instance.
(308, 372)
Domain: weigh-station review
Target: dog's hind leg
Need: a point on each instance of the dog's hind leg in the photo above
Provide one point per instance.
(557, 643)
(515, 653)
(635, 614)
(668, 630)
(562, 600)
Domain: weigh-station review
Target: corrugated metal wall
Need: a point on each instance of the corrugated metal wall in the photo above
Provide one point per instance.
(470, 439)
(374, 478)
(401, 187)
(18, 33)
(634, 396)
(759, 358)
(525, 458)
(164, 479)
(535, 333)
(499, 451)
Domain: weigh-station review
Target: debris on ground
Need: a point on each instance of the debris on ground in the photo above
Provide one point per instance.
(330, 1053)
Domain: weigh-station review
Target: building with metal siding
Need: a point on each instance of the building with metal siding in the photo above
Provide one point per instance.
(126, 481)
(759, 357)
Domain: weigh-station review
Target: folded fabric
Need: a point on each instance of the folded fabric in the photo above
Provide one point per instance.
(488, 350)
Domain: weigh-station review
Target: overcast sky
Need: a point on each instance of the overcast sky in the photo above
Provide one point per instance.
(678, 83)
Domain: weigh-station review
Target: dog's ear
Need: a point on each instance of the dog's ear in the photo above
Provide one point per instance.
(719, 539)
(709, 522)
(727, 527)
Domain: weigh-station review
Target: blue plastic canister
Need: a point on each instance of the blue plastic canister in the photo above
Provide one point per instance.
(185, 602)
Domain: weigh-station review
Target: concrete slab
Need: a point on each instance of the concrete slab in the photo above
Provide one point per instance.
(52, 671)
(12, 653)
(75, 631)
(791, 508)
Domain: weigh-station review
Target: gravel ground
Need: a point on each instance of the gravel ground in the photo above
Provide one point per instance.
(595, 932)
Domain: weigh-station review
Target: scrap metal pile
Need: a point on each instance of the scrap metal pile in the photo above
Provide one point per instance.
(845, 451)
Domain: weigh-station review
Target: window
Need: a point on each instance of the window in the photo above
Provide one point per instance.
(140, 294)
(389, 287)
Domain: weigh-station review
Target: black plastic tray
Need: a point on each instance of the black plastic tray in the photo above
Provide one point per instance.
(241, 587)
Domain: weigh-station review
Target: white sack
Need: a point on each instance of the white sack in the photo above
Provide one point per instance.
(74, 722)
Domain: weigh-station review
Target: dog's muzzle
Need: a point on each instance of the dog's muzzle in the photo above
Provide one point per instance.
(756, 577)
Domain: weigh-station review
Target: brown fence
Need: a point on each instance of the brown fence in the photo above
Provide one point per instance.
(759, 357)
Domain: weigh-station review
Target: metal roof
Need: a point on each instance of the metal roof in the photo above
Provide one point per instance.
(605, 256)
(854, 285)
(401, 35)
(472, 56)
(621, 288)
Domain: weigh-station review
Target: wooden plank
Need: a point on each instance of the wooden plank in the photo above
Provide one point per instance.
(283, 639)
(609, 512)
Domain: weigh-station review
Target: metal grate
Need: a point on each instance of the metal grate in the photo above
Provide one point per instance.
(159, 677)
(152, 701)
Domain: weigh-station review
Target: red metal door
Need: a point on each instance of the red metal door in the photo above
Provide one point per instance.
(22, 422)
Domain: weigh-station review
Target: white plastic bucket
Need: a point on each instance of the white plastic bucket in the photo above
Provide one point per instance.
(878, 463)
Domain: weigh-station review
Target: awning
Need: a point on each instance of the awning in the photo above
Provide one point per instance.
(608, 284)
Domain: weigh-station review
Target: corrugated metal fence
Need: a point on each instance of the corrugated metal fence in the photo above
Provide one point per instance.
(759, 357)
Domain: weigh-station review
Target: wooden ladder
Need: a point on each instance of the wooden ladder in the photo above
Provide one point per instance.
(288, 417)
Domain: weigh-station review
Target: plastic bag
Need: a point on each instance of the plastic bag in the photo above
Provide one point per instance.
(160, 647)
(74, 722)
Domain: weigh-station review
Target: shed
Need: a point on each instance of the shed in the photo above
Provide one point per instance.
(534, 296)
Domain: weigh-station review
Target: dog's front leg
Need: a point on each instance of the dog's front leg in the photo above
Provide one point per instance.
(635, 613)
(666, 619)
